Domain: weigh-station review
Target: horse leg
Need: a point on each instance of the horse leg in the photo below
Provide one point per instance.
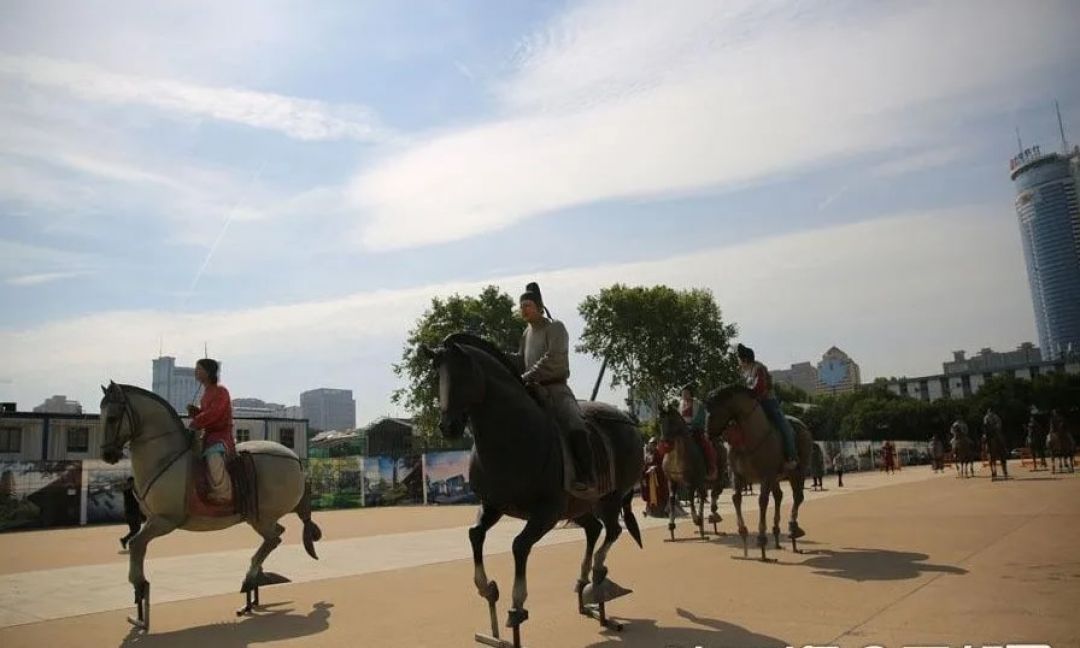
(736, 499)
(536, 527)
(714, 516)
(778, 497)
(603, 589)
(671, 508)
(271, 534)
(487, 590)
(155, 527)
(763, 504)
(701, 512)
(794, 530)
(592, 528)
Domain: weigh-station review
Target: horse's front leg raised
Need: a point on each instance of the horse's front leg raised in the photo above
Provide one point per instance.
(794, 530)
(488, 590)
(154, 527)
(537, 526)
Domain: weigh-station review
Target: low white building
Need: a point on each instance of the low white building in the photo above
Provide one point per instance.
(963, 376)
(40, 436)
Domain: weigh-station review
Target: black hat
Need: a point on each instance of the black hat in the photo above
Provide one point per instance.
(744, 353)
(532, 293)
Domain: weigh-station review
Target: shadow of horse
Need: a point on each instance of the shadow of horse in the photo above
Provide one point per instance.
(647, 634)
(275, 625)
(873, 564)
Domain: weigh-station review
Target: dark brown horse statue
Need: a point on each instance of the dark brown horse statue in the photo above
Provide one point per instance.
(684, 465)
(519, 468)
(1062, 445)
(757, 455)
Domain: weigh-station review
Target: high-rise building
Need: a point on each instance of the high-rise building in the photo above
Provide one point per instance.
(1049, 215)
(175, 384)
(837, 373)
(329, 409)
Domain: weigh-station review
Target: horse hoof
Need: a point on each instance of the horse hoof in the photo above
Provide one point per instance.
(607, 590)
(516, 617)
(797, 532)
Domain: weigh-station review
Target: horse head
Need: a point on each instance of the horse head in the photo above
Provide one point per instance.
(461, 385)
(672, 425)
(723, 408)
(115, 411)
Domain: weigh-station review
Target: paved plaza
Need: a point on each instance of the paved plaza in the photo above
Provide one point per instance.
(906, 559)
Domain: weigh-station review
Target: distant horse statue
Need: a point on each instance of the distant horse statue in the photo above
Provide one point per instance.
(937, 453)
(757, 455)
(165, 460)
(964, 451)
(1036, 441)
(998, 452)
(1062, 446)
(520, 466)
(685, 465)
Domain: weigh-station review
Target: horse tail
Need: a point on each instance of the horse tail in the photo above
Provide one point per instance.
(629, 520)
(312, 532)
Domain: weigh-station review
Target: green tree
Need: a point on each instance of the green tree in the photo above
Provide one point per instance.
(490, 314)
(656, 339)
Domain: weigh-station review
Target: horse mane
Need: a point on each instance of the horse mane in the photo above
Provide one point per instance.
(156, 398)
(487, 347)
(724, 393)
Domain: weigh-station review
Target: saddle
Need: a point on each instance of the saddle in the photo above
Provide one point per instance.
(245, 492)
(603, 463)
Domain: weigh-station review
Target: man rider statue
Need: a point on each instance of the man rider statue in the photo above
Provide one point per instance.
(545, 352)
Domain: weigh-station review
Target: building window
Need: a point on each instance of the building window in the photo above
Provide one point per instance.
(11, 439)
(288, 437)
(78, 439)
(243, 435)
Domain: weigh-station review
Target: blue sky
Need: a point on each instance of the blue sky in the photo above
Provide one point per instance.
(292, 183)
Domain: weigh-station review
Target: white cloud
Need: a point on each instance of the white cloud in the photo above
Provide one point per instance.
(634, 100)
(303, 119)
(893, 293)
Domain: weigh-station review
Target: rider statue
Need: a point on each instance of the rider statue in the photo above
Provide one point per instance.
(545, 352)
(759, 381)
(214, 418)
(693, 413)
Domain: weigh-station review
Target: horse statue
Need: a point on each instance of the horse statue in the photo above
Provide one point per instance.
(997, 451)
(520, 467)
(757, 455)
(1062, 446)
(1036, 441)
(964, 452)
(685, 465)
(166, 460)
(937, 453)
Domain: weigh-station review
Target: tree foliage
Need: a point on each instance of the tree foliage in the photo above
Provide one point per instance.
(491, 315)
(657, 339)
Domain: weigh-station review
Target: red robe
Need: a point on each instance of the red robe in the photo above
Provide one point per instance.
(215, 416)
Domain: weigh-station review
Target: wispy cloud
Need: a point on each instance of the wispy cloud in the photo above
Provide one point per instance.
(862, 283)
(43, 278)
(930, 158)
(303, 119)
(631, 100)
